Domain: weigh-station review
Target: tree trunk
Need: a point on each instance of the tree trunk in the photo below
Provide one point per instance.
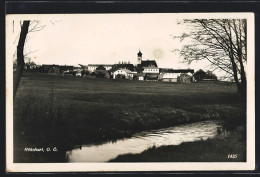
(243, 73)
(20, 56)
(240, 59)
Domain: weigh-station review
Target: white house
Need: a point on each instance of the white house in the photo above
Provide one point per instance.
(77, 68)
(108, 67)
(123, 74)
(170, 77)
(151, 69)
(175, 75)
(93, 67)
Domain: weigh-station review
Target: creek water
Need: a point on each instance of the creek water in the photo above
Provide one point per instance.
(143, 140)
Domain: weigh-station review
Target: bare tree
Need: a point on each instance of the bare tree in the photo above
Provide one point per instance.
(26, 27)
(222, 42)
(20, 55)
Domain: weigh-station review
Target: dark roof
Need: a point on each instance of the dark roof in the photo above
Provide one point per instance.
(83, 66)
(100, 67)
(126, 70)
(126, 66)
(200, 71)
(167, 70)
(152, 74)
(47, 67)
(65, 67)
(139, 74)
(146, 63)
(105, 65)
(151, 67)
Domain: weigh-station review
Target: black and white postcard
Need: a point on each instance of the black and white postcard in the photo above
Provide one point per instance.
(130, 92)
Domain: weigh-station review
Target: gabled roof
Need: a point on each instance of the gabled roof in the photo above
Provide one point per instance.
(152, 74)
(126, 70)
(66, 67)
(100, 67)
(46, 67)
(168, 70)
(151, 67)
(126, 66)
(146, 63)
(200, 71)
(105, 65)
(61, 67)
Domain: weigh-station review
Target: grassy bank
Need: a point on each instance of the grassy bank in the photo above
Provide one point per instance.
(55, 111)
(230, 147)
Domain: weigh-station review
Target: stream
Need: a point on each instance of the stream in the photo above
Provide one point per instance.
(143, 140)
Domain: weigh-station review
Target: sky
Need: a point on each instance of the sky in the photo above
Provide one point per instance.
(104, 39)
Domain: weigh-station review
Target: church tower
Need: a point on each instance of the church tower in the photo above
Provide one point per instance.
(139, 57)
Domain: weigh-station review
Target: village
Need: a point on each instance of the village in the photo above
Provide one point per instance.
(144, 70)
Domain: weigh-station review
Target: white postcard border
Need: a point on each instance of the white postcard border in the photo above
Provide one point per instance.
(115, 167)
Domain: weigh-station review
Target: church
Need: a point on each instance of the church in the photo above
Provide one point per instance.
(149, 68)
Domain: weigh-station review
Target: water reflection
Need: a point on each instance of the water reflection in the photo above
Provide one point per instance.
(143, 140)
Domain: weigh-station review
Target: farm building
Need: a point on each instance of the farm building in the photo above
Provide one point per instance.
(151, 76)
(201, 76)
(50, 69)
(93, 67)
(125, 66)
(65, 68)
(77, 68)
(123, 73)
(104, 74)
(175, 75)
(169, 77)
(139, 76)
(57, 69)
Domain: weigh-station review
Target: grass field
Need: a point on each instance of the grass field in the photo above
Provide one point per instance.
(63, 111)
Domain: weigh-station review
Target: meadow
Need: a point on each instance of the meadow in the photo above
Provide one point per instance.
(65, 111)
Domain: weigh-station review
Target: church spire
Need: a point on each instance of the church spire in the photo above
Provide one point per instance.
(139, 57)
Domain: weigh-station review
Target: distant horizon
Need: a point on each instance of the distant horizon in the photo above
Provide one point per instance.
(101, 64)
(85, 64)
(105, 39)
